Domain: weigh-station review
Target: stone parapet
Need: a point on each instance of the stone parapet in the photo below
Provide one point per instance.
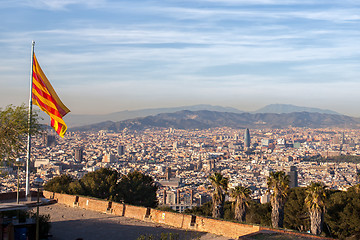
(189, 222)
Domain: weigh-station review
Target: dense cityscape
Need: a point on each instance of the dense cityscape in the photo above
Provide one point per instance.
(181, 161)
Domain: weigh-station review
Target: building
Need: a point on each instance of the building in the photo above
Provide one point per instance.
(121, 150)
(49, 140)
(171, 197)
(173, 200)
(79, 154)
(168, 174)
(247, 140)
(109, 158)
(175, 146)
(41, 162)
(293, 174)
(265, 142)
(211, 165)
(173, 182)
(265, 198)
(199, 165)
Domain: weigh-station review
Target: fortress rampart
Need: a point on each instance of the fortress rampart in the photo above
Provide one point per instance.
(190, 222)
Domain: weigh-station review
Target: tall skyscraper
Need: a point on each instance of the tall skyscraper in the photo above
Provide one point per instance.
(211, 165)
(49, 140)
(343, 138)
(168, 173)
(199, 165)
(79, 154)
(293, 174)
(121, 150)
(247, 139)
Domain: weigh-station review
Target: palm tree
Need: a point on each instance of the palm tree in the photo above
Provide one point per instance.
(315, 202)
(278, 185)
(242, 197)
(219, 184)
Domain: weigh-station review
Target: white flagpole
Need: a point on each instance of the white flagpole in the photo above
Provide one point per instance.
(29, 124)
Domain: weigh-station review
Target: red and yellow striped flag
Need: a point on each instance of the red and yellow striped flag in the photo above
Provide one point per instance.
(44, 96)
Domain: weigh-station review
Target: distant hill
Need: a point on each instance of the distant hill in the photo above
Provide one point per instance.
(288, 108)
(208, 119)
(74, 120)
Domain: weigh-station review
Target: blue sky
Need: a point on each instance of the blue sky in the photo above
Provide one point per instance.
(105, 56)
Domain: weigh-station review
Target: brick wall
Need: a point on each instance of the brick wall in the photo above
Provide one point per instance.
(172, 219)
(61, 197)
(189, 222)
(228, 229)
(118, 209)
(49, 195)
(12, 195)
(93, 204)
(225, 228)
(135, 212)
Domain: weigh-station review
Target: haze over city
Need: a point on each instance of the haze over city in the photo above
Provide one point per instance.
(106, 56)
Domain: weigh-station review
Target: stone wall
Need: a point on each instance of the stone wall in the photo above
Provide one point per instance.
(12, 195)
(92, 204)
(190, 222)
(225, 228)
(172, 219)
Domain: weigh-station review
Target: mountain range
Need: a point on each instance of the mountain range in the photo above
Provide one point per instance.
(76, 120)
(204, 119)
(288, 108)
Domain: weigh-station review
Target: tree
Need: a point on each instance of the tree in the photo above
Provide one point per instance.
(59, 184)
(296, 214)
(258, 213)
(100, 184)
(278, 184)
(13, 130)
(135, 188)
(242, 197)
(357, 177)
(76, 188)
(219, 184)
(203, 210)
(342, 215)
(138, 189)
(315, 202)
(356, 188)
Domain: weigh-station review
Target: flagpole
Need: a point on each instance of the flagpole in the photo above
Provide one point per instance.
(27, 188)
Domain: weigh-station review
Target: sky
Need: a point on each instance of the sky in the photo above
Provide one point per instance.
(104, 56)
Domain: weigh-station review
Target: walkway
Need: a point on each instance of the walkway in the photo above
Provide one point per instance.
(70, 223)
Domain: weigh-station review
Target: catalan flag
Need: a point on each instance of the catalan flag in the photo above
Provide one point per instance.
(44, 96)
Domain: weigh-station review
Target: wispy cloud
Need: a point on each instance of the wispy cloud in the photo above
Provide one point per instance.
(54, 5)
(263, 49)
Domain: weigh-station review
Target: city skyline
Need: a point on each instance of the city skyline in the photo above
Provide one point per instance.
(107, 56)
